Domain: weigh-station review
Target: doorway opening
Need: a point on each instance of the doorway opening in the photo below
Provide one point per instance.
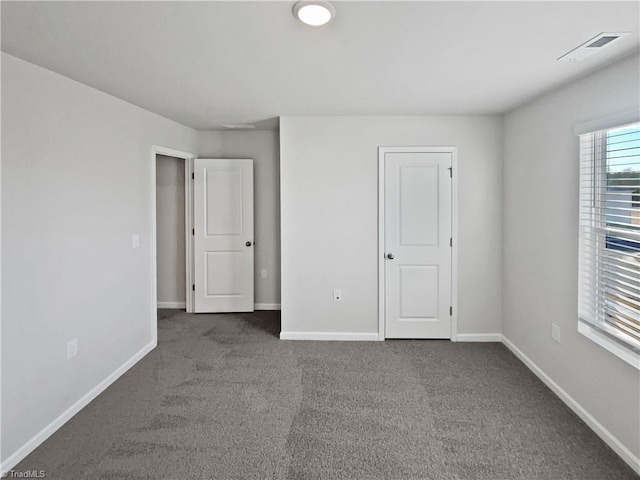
(171, 224)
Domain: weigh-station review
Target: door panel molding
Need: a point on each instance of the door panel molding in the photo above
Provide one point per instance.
(382, 152)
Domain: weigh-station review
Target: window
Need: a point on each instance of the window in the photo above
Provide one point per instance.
(609, 301)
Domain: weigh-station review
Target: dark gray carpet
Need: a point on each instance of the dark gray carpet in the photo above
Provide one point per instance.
(222, 398)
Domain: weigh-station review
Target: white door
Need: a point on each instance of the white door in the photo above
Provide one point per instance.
(223, 235)
(417, 243)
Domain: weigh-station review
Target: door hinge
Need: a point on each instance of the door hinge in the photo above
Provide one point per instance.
(450, 311)
(193, 287)
(451, 172)
(193, 231)
(193, 176)
(451, 241)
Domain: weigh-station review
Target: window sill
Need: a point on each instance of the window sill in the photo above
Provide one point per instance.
(606, 342)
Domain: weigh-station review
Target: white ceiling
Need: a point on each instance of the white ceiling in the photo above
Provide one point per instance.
(208, 63)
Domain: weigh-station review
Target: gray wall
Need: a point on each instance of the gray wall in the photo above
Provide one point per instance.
(76, 184)
(540, 241)
(329, 215)
(170, 242)
(263, 147)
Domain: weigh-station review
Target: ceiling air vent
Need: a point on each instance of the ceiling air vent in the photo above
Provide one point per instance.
(239, 127)
(591, 46)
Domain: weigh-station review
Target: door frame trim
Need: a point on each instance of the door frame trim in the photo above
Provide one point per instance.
(188, 220)
(382, 151)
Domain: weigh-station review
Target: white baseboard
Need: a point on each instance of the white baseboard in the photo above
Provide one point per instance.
(332, 336)
(172, 305)
(266, 306)
(257, 306)
(50, 429)
(608, 438)
(479, 337)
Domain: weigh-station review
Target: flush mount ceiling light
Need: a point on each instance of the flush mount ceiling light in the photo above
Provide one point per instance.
(314, 13)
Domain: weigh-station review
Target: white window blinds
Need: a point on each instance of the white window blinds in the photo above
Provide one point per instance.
(609, 289)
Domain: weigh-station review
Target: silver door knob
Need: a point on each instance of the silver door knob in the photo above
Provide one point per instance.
(248, 244)
(390, 256)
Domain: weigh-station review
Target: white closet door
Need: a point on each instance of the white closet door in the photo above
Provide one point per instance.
(417, 232)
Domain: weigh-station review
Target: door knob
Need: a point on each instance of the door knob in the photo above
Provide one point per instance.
(248, 244)
(390, 256)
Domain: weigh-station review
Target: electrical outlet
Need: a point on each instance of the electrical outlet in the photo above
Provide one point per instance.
(135, 240)
(337, 295)
(263, 273)
(72, 348)
(555, 332)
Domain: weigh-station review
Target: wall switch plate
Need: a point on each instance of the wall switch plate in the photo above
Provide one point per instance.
(555, 332)
(263, 273)
(135, 240)
(337, 295)
(72, 348)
